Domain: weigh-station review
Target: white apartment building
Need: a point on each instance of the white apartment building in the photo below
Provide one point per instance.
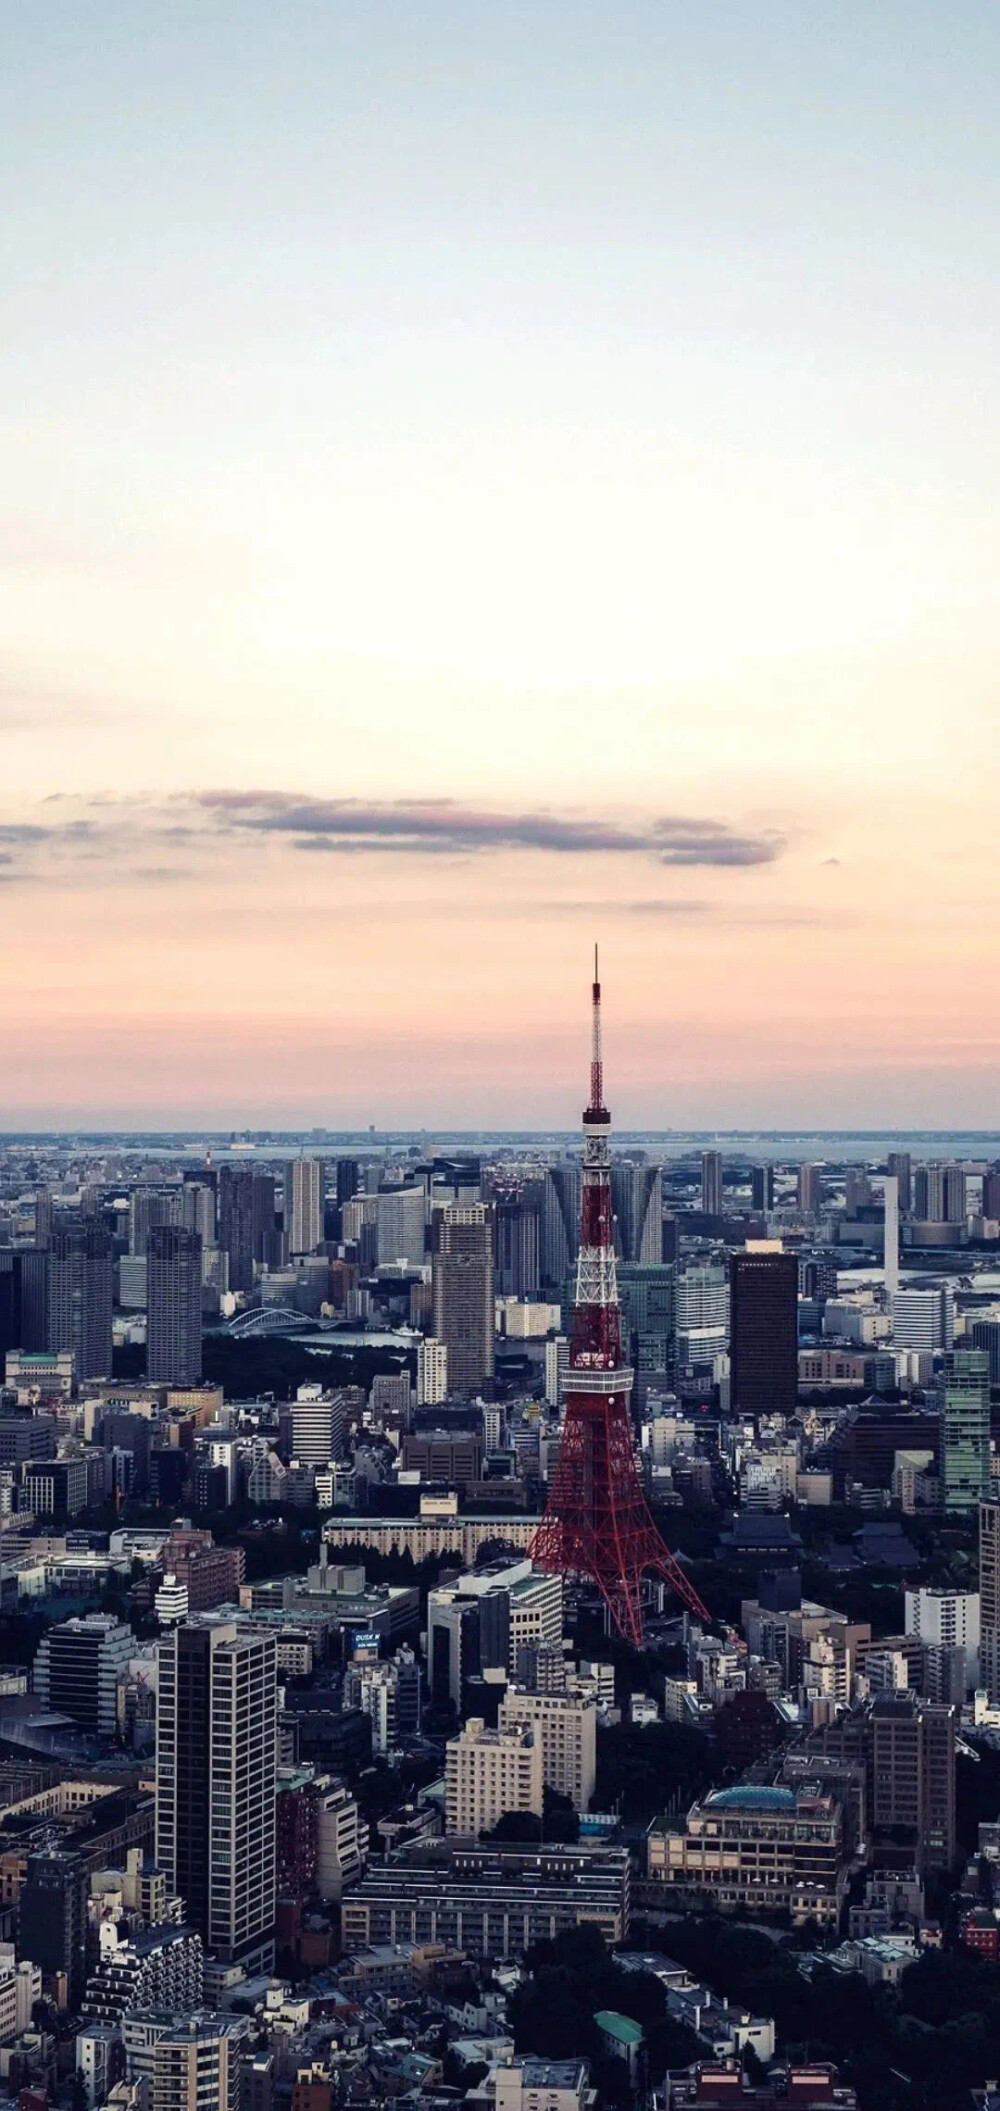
(432, 1372)
(303, 1191)
(924, 1319)
(490, 1772)
(565, 1725)
(401, 1214)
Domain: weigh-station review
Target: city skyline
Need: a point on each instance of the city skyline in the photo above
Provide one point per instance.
(472, 485)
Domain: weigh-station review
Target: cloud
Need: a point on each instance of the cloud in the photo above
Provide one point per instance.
(420, 826)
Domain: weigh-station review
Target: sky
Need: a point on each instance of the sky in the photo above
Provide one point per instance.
(476, 480)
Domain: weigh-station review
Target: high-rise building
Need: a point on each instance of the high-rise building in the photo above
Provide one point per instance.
(303, 1192)
(78, 1668)
(565, 1725)
(517, 1248)
(463, 1294)
(924, 1319)
(899, 1167)
(401, 1217)
(81, 1284)
(487, 1774)
(319, 1421)
(701, 1298)
(762, 1188)
(891, 1234)
(348, 1180)
(432, 1372)
(986, 1336)
(149, 1206)
(216, 1730)
(965, 1429)
(991, 1193)
(763, 1331)
(947, 1621)
(637, 1201)
(189, 2062)
(939, 1194)
(52, 1920)
(237, 1223)
(173, 1292)
(268, 1244)
(989, 1597)
(560, 1231)
(912, 1774)
(711, 1183)
(810, 1189)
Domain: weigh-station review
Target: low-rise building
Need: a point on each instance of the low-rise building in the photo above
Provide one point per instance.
(757, 1848)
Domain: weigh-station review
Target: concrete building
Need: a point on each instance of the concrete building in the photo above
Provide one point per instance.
(490, 1900)
(711, 1183)
(565, 1726)
(488, 1773)
(78, 1669)
(989, 1598)
(81, 1281)
(192, 2062)
(924, 1319)
(947, 1620)
(750, 1848)
(216, 1730)
(462, 1284)
(965, 1429)
(173, 1337)
(319, 1422)
(303, 1193)
(432, 1372)
(401, 1218)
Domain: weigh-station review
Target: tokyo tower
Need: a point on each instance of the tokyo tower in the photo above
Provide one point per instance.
(597, 1522)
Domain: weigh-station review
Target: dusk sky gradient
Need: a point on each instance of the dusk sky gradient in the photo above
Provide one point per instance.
(475, 479)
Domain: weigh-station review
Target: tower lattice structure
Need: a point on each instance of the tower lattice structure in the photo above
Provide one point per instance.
(597, 1523)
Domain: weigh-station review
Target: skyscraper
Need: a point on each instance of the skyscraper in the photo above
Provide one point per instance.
(81, 1296)
(517, 1242)
(763, 1325)
(939, 1194)
(989, 1598)
(236, 1223)
(965, 1429)
(463, 1293)
(899, 1167)
(215, 1782)
(401, 1215)
(711, 1183)
(637, 1201)
(173, 1351)
(560, 1223)
(303, 1191)
(762, 1187)
(810, 1189)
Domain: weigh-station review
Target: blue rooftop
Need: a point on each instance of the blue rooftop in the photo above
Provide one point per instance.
(748, 1796)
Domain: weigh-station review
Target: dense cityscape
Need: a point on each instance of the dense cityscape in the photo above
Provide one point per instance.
(513, 1626)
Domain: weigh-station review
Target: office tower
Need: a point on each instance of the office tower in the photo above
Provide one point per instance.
(701, 1298)
(899, 1168)
(517, 1248)
(556, 1367)
(216, 1728)
(565, 1726)
(890, 1189)
(268, 1243)
(401, 1216)
(147, 1206)
(462, 1276)
(989, 1597)
(986, 1336)
(637, 1203)
(762, 1188)
(597, 1522)
(560, 1223)
(43, 1219)
(78, 1669)
(173, 1262)
(303, 1205)
(488, 1773)
(236, 1223)
(991, 1193)
(810, 1189)
(965, 1429)
(348, 1179)
(711, 1183)
(857, 1190)
(912, 1771)
(432, 1372)
(646, 1296)
(198, 1209)
(52, 1920)
(81, 1281)
(319, 1424)
(924, 1319)
(948, 1623)
(939, 1194)
(10, 1302)
(763, 1331)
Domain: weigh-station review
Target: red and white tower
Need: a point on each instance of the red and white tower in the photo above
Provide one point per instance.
(597, 1522)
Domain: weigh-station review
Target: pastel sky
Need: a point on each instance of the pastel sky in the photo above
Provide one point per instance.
(477, 478)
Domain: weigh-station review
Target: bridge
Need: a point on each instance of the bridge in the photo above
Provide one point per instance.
(268, 1319)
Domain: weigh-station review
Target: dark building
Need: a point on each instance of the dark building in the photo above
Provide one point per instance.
(462, 1276)
(560, 1225)
(711, 1183)
(991, 1192)
(864, 1448)
(264, 1225)
(518, 1241)
(24, 1437)
(173, 1341)
(900, 1168)
(168, 1473)
(78, 1668)
(762, 1187)
(986, 1336)
(130, 1434)
(81, 1296)
(764, 1332)
(52, 1919)
(236, 1230)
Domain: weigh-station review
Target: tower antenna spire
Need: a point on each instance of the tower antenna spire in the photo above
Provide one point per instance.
(597, 1523)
